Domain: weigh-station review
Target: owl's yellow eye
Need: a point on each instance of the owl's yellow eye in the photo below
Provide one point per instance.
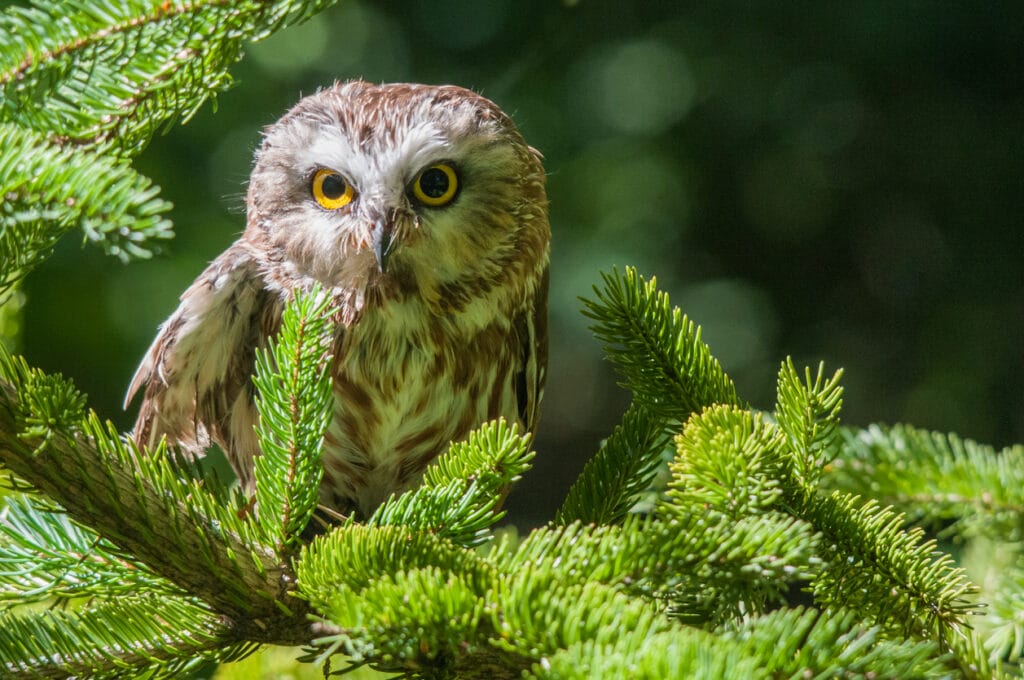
(436, 186)
(331, 190)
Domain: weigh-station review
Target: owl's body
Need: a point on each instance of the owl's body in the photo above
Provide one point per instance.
(422, 211)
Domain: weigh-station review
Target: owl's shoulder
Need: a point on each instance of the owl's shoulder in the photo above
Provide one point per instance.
(207, 343)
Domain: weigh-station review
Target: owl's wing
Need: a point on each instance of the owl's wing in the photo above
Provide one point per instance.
(197, 372)
(532, 372)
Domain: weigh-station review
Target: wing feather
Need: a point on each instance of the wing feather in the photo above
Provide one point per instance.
(532, 373)
(196, 374)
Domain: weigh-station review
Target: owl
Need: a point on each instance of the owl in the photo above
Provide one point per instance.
(422, 212)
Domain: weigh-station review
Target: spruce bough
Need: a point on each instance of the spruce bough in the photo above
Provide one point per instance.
(174, 570)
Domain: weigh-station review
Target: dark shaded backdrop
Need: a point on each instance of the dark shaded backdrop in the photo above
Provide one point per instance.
(837, 181)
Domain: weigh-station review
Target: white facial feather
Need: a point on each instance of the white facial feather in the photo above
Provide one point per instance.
(374, 165)
(381, 166)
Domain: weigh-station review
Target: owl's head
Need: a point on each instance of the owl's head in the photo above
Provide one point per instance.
(403, 189)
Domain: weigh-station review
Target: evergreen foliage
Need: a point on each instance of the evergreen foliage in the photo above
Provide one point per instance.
(44, 555)
(463, 488)
(623, 468)
(96, 642)
(49, 190)
(111, 73)
(934, 478)
(656, 349)
(83, 90)
(782, 545)
(294, 407)
(970, 493)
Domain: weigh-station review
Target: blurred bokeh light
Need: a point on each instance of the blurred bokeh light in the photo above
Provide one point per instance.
(833, 181)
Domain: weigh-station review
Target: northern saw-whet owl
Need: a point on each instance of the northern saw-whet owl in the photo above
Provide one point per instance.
(422, 211)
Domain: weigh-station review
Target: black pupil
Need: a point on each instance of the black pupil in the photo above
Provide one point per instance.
(434, 182)
(333, 186)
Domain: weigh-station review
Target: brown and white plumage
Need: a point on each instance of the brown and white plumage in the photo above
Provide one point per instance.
(443, 308)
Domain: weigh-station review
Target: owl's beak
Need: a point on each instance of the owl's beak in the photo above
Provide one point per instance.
(380, 235)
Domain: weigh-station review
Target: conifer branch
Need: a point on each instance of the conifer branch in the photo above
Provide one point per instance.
(898, 579)
(682, 653)
(785, 643)
(806, 642)
(45, 555)
(712, 562)
(463, 488)
(294, 403)
(807, 412)
(1002, 623)
(360, 577)
(112, 73)
(103, 77)
(128, 635)
(730, 460)
(386, 591)
(178, 524)
(622, 469)
(656, 348)
(537, 615)
(934, 477)
(355, 556)
(432, 621)
(48, 191)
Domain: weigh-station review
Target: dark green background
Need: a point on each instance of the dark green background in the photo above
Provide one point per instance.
(837, 181)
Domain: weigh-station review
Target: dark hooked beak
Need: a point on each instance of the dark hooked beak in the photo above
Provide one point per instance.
(380, 239)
